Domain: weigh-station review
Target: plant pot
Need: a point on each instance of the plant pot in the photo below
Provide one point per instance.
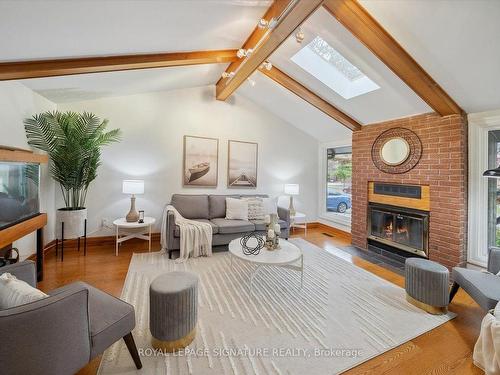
(74, 222)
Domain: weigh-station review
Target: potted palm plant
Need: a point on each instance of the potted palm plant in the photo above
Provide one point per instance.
(73, 142)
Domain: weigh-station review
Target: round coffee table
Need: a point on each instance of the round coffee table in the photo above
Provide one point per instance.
(289, 256)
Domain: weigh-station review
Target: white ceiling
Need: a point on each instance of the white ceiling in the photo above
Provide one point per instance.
(48, 29)
(456, 42)
(393, 100)
(98, 85)
(293, 109)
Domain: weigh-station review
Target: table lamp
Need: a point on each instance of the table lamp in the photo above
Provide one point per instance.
(132, 187)
(291, 190)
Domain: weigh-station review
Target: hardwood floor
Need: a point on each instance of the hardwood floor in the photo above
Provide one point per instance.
(444, 350)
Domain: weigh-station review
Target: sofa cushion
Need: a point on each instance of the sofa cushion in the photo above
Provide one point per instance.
(217, 205)
(261, 224)
(484, 288)
(233, 226)
(215, 228)
(191, 206)
(236, 209)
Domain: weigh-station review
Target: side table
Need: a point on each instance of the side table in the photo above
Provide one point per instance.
(132, 230)
(299, 221)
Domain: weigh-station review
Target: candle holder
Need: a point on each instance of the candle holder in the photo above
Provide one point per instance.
(272, 232)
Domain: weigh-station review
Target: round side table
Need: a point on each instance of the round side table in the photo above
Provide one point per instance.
(299, 220)
(131, 230)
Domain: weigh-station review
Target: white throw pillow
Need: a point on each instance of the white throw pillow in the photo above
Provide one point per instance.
(270, 206)
(256, 209)
(236, 209)
(14, 292)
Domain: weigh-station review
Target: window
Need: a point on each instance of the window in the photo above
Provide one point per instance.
(493, 189)
(338, 180)
(325, 63)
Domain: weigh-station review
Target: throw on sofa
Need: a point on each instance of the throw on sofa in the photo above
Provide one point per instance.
(212, 209)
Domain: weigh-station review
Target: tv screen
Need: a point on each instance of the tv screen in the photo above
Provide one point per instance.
(19, 192)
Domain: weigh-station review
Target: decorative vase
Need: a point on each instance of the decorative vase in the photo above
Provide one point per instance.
(74, 222)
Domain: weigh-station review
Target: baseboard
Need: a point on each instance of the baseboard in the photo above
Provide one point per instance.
(91, 241)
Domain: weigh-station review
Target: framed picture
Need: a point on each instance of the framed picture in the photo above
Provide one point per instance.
(200, 162)
(242, 164)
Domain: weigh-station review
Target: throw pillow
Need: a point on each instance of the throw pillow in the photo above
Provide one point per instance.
(15, 292)
(236, 209)
(256, 210)
(270, 206)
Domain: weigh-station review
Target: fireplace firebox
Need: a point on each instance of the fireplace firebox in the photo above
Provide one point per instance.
(402, 228)
(398, 218)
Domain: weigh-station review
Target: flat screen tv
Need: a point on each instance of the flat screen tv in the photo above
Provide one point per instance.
(19, 192)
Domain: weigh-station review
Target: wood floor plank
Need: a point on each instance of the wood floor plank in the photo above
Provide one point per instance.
(444, 350)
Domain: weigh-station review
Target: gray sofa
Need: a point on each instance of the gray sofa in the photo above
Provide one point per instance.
(212, 209)
(60, 334)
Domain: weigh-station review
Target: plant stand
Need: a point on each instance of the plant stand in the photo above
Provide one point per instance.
(78, 240)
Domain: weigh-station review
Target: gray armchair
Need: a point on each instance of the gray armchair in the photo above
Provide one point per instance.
(483, 287)
(60, 334)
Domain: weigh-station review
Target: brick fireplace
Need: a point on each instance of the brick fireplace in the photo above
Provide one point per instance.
(442, 167)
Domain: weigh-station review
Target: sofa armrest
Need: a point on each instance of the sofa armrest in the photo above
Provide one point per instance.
(48, 336)
(494, 260)
(170, 230)
(25, 271)
(284, 214)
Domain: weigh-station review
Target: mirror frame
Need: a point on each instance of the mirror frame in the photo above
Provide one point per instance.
(414, 154)
(408, 150)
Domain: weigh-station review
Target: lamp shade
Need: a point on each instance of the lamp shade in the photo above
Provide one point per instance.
(292, 189)
(133, 187)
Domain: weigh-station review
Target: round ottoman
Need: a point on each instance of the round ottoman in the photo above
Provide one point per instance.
(426, 285)
(173, 310)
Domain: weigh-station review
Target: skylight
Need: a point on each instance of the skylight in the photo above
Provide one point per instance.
(327, 64)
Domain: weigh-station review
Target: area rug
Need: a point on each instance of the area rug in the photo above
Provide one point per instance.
(342, 316)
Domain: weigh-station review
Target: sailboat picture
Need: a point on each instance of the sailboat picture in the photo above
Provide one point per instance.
(242, 164)
(200, 161)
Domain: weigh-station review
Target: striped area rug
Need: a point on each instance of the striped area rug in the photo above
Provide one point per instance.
(342, 317)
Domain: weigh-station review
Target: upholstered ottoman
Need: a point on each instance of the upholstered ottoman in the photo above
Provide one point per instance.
(173, 310)
(426, 285)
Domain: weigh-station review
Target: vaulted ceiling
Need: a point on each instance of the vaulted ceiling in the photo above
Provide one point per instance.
(454, 42)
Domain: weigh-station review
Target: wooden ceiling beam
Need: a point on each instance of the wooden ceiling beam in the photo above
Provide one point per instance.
(290, 14)
(303, 92)
(369, 32)
(63, 67)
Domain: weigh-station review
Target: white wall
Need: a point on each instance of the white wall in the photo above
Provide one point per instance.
(17, 102)
(153, 127)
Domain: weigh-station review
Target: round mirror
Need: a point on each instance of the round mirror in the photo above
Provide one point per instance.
(395, 151)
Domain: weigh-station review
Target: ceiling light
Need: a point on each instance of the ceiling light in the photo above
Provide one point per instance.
(251, 82)
(265, 24)
(228, 75)
(299, 35)
(262, 23)
(244, 52)
(266, 65)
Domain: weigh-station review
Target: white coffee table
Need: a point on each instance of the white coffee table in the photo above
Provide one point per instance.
(289, 256)
(133, 230)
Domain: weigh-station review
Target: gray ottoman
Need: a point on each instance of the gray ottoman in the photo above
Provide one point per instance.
(426, 285)
(173, 310)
